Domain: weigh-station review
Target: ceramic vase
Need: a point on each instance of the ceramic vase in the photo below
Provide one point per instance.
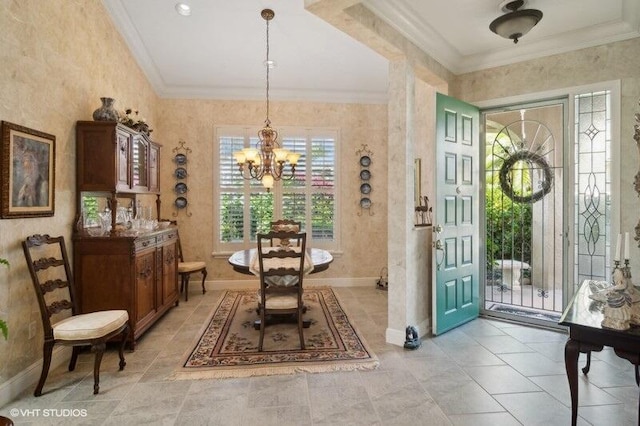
(106, 112)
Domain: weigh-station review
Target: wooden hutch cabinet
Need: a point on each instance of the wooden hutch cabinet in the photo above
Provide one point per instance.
(123, 268)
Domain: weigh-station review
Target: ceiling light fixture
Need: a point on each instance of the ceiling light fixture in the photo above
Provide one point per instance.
(515, 23)
(183, 9)
(266, 161)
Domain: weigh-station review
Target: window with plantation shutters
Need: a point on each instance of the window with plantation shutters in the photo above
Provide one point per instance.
(244, 207)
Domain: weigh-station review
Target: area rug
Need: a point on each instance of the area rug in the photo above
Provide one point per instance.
(228, 345)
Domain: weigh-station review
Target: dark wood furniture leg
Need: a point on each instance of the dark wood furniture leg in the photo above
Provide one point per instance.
(98, 348)
(571, 354)
(204, 276)
(47, 351)
(125, 337)
(585, 369)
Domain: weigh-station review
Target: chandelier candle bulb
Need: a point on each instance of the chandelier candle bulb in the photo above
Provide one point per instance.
(617, 256)
(239, 156)
(626, 246)
(293, 158)
(281, 154)
(267, 181)
(250, 154)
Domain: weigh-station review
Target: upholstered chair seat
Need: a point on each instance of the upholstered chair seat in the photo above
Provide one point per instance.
(90, 326)
(184, 267)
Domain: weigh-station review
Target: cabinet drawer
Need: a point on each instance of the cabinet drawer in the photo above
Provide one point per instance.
(167, 237)
(144, 243)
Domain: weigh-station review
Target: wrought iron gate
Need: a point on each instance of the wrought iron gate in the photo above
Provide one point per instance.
(524, 212)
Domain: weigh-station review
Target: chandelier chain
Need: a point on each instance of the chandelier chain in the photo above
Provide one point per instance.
(266, 161)
(267, 121)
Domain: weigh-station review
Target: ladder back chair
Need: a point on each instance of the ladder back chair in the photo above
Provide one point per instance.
(284, 225)
(61, 319)
(185, 269)
(281, 274)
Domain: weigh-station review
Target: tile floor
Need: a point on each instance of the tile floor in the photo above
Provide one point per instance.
(483, 373)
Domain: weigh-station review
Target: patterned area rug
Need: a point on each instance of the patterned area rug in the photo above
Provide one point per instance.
(228, 346)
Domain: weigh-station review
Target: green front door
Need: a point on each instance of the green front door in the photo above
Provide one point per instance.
(456, 229)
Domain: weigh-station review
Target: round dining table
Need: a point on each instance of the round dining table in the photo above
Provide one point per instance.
(241, 260)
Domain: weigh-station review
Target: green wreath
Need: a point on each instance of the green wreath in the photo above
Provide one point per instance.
(531, 157)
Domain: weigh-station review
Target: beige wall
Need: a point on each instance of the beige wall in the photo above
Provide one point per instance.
(194, 120)
(56, 64)
(57, 61)
(614, 61)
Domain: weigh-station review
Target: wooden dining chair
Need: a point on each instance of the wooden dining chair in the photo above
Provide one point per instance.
(284, 225)
(185, 269)
(52, 280)
(281, 274)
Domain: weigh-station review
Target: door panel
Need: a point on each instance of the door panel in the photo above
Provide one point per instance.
(456, 289)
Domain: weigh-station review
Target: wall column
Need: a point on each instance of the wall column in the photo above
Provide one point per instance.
(404, 242)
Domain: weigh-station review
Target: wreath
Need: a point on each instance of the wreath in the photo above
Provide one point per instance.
(530, 157)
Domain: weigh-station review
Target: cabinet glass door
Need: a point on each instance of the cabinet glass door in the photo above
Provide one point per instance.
(140, 169)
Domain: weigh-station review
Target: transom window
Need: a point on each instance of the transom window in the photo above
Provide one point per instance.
(244, 207)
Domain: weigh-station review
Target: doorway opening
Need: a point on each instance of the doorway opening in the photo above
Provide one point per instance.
(550, 190)
(524, 207)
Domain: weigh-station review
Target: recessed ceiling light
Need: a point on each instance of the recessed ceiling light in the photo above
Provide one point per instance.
(183, 9)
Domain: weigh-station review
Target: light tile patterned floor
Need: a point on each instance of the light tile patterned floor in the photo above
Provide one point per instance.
(483, 373)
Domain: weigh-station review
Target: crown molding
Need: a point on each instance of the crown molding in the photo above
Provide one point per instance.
(131, 37)
(401, 17)
(257, 94)
(139, 51)
(567, 42)
(404, 20)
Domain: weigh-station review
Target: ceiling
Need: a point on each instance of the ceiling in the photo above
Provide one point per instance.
(218, 51)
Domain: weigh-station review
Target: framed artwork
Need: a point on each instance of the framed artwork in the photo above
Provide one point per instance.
(27, 172)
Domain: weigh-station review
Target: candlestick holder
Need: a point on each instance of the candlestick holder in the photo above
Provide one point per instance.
(622, 307)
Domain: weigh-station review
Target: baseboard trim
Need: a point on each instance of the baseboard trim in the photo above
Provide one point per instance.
(395, 337)
(28, 377)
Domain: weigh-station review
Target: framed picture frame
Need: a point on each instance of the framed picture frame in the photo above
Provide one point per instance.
(27, 172)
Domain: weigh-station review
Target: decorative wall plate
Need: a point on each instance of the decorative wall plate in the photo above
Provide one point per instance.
(181, 202)
(365, 203)
(181, 173)
(365, 160)
(365, 174)
(181, 188)
(365, 188)
(180, 159)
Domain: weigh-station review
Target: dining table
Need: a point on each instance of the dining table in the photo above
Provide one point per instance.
(583, 316)
(244, 261)
(241, 260)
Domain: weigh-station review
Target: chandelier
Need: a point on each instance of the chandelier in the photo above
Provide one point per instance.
(266, 162)
(517, 22)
